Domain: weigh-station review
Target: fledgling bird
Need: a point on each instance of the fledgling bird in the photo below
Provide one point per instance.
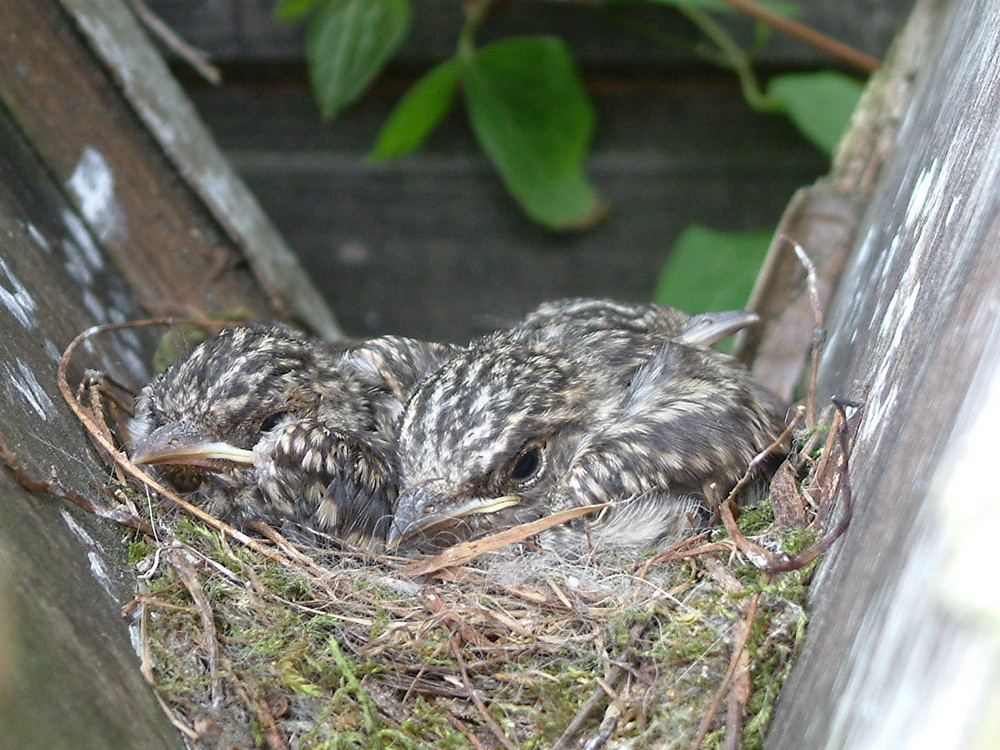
(262, 423)
(585, 402)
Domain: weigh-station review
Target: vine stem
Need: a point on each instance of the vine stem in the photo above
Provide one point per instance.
(735, 57)
(843, 52)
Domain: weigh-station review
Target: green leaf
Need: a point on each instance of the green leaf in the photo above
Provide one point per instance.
(710, 270)
(348, 43)
(418, 112)
(820, 104)
(531, 116)
(292, 10)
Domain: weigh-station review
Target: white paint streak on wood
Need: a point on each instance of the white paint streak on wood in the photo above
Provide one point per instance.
(19, 378)
(37, 237)
(97, 568)
(93, 184)
(16, 297)
(83, 258)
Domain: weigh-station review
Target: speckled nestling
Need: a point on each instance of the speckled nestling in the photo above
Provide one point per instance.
(584, 402)
(262, 423)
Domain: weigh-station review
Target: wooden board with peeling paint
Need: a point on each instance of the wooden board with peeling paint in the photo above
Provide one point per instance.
(62, 581)
(902, 649)
(100, 222)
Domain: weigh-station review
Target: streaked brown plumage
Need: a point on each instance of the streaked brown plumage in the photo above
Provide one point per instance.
(584, 402)
(264, 423)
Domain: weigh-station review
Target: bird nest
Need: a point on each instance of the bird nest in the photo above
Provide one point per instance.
(251, 641)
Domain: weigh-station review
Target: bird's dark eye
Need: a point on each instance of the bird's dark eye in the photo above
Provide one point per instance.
(272, 421)
(527, 464)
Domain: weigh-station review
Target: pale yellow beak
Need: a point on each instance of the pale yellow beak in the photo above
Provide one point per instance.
(178, 444)
(419, 511)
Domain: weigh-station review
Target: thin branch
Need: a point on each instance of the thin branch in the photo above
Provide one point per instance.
(841, 51)
(192, 56)
(462, 553)
(605, 687)
(734, 663)
(456, 649)
(819, 326)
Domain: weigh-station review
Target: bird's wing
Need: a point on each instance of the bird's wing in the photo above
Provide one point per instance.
(338, 482)
(689, 416)
(706, 329)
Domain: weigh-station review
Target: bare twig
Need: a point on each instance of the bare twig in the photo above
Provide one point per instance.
(604, 687)
(182, 564)
(769, 562)
(432, 601)
(193, 57)
(734, 664)
(462, 553)
(841, 51)
(819, 326)
(258, 705)
(456, 649)
(461, 727)
(54, 486)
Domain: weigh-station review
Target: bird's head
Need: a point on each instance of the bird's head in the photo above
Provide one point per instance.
(204, 417)
(480, 441)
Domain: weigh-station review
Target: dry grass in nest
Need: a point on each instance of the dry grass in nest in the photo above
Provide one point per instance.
(250, 641)
(508, 651)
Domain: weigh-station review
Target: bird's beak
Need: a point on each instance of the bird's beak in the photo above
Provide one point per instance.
(421, 510)
(179, 444)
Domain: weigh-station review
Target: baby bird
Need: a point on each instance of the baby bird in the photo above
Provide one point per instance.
(263, 423)
(584, 402)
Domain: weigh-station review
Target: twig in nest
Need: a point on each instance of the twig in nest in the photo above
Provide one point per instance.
(272, 735)
(739, 695)
(679, 551)
(769, 562)
(461, 727)
(734, 664)
(456, 649)
(462, 553)
(53, 486)
(432, 602)
(189, 577)
(758, 460)
(183, 728)
(146, 653)
(604, 687)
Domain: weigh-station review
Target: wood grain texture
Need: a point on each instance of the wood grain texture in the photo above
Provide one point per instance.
(175, 255)
(902, 650)
(243, 30)
(73, 672)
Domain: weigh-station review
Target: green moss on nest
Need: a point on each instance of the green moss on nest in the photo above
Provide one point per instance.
(350, 656)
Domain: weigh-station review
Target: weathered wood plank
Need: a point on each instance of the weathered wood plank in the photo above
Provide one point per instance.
(824, 217)
(173, 123)
(247, 30)
(431, 245)
(126, 189)
(68, 672)
(902, 649)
